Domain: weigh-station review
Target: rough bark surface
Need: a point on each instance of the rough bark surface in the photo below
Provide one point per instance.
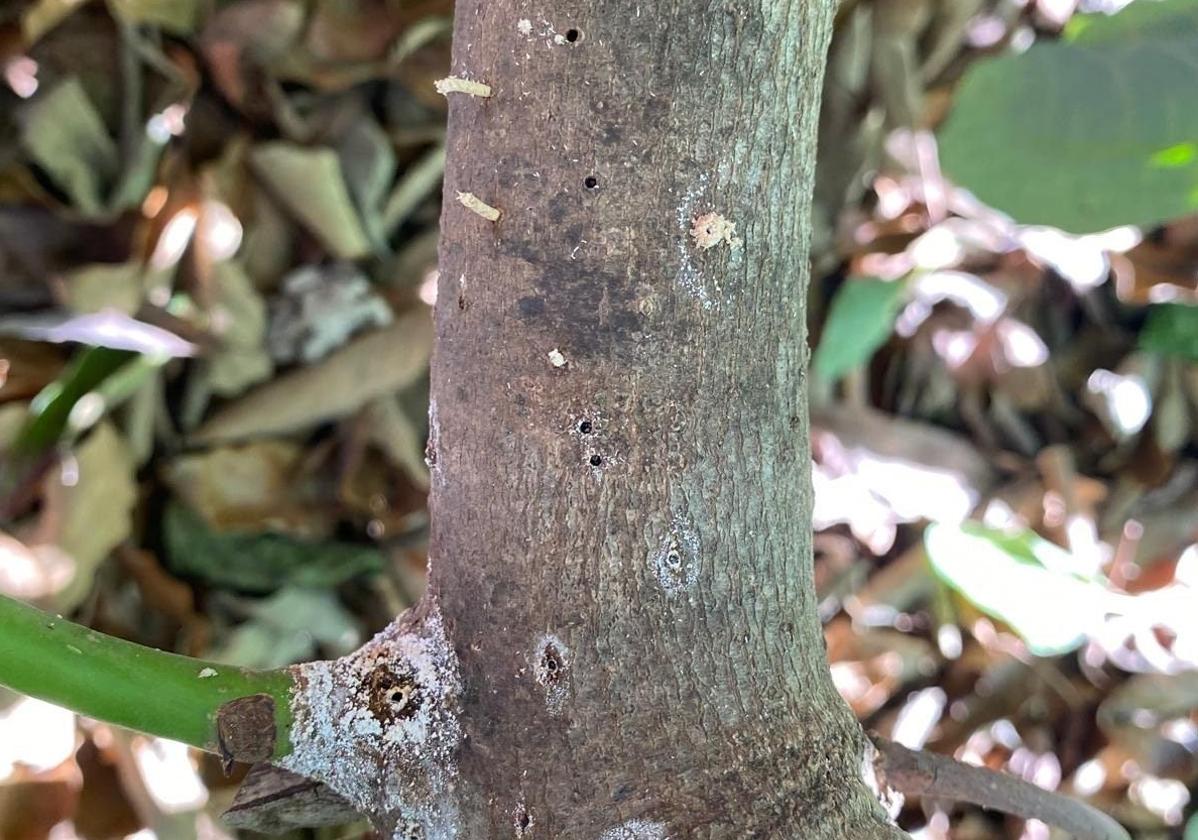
(621, 551)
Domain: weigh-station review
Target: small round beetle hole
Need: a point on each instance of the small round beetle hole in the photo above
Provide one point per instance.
(573, 35)
(585, 427)
(549, 668)
(590, 182)
(596, 460)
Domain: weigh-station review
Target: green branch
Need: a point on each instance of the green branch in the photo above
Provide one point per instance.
(134, 686)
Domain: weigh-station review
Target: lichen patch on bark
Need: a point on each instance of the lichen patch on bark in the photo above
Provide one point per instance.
(890, 799)
(675, 561)
(431, 453)
(380, 727)
(689, 276)
(636, 830)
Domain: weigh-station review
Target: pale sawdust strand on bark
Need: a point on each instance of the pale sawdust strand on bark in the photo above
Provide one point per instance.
(479, 207)
(457, 84)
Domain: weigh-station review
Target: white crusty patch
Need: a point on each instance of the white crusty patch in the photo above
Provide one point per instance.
(636, 830)
(702, 231)
(890, 799)
(675, 561)
(689, 277)
(432, 452)
(380, 727)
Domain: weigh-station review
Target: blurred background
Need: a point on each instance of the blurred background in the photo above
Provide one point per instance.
(218, 216)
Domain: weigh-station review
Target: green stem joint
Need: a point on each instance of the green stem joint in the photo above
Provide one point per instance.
(137, 687)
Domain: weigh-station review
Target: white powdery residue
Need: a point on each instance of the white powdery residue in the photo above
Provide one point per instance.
(524, 26)
(431, 451)
(636, 830)
(380, 727)
(550, 662)
(207, 673)
(675, 563)
(890, 799)
(689, 276)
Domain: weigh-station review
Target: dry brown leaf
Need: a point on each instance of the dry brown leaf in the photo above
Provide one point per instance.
(251, 487)
(375, 364)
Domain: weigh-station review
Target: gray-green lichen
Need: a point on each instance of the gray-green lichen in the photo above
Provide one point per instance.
(380, 727)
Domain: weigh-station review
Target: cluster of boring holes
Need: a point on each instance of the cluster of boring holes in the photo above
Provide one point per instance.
(391, 696)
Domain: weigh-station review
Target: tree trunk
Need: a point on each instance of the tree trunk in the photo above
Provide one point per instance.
(620, 638)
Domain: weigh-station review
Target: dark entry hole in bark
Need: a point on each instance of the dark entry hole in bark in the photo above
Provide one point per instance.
(674, 558)
(391, 696)
(573, 35)
(523, 821)
(549, 669)
(585, 427)
(590, 182)
(596, 460)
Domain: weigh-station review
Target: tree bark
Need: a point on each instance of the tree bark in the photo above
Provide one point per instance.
(620, 638)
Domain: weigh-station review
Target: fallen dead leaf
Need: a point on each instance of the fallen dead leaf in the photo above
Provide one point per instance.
(375, 364)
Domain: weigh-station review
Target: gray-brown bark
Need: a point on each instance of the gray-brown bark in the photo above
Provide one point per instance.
(621, 540)
(620, 638)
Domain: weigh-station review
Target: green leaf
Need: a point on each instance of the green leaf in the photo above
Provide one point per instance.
(51, 408)
(860, 320)
(44, 15)
(175, 16)
(259, 562)
(368, 163)
(100, 286)
(240, 359)
(1036, 587)
(310, 185)
(286, 628)
(1171, 330)
(66, 137)
(1090, 132)
(1192, 828)
(97, 509)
